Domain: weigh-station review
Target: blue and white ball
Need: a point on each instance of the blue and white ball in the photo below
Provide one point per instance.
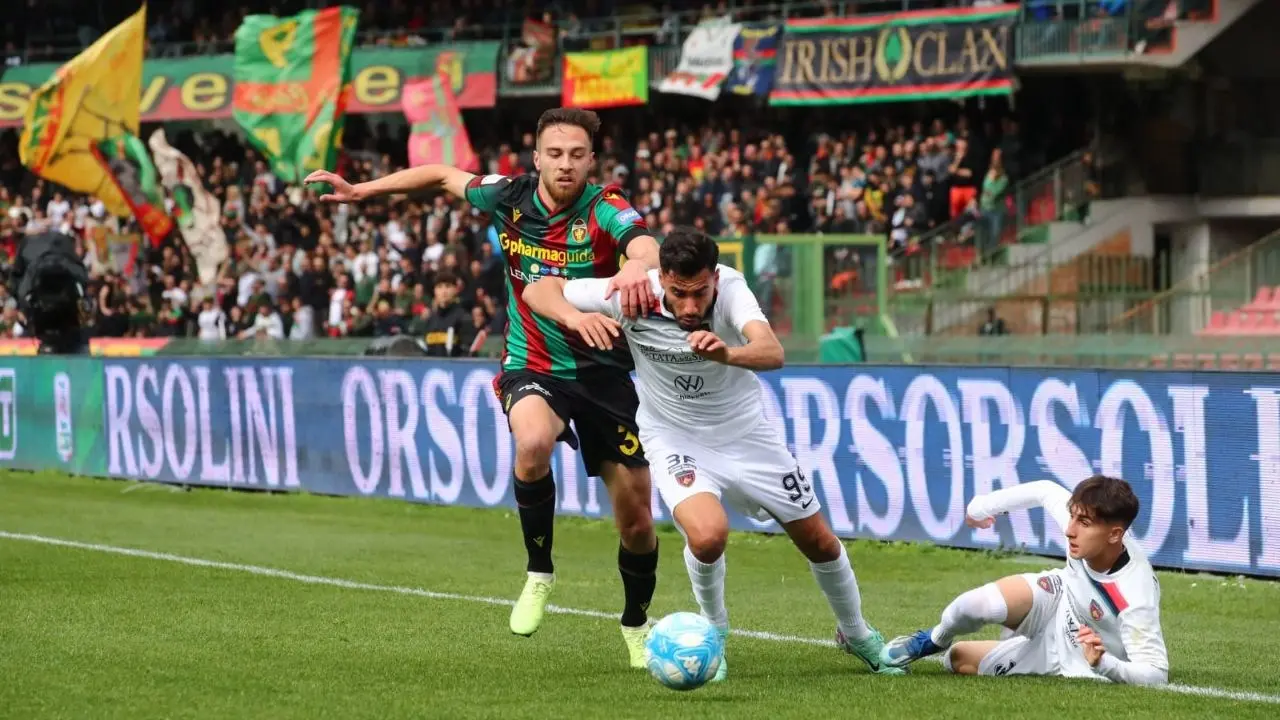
(684, 651)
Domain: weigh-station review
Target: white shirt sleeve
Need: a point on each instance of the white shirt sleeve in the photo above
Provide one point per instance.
(740, 303)
(587, 294)
(1043, 493)
(1148, 662)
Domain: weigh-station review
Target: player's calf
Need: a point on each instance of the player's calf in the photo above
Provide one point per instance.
(534, 427)
(705, 527)
(832, 570)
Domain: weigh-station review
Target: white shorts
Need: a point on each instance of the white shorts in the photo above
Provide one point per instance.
(1045, 643)
(755, 474)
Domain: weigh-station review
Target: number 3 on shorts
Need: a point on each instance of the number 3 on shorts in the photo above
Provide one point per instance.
(630, 443)
(797, 487)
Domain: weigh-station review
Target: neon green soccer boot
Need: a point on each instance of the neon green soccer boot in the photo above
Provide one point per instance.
(526, 616)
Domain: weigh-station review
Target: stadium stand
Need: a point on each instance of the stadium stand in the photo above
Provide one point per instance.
(300, 270)
(953, 188)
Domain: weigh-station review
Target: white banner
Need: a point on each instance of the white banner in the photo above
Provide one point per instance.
(705, 61)
(198, 211)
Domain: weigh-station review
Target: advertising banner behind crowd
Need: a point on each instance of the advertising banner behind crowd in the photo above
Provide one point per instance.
(892, 452)
(606, 78)
(192, 88)
(902, 56)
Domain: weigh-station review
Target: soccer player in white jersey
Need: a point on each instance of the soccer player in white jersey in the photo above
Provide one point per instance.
(702, 421)
(1098, 617)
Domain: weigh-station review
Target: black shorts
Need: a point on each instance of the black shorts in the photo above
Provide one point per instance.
(602, 409)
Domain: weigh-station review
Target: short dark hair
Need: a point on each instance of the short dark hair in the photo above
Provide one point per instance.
(577, 117)
(1108, 499)
(687, 252)
(444, 277)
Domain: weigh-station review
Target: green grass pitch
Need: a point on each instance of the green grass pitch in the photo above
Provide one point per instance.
(122, 600)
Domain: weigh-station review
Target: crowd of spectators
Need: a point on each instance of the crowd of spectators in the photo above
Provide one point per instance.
(299, 269)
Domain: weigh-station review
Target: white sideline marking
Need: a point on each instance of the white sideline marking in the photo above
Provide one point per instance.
(431, 594)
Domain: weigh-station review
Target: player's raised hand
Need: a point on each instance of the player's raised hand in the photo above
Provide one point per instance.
(632, 282)
(980, 524)
(343, 191)
(708, 345)
(1091, 643)
(596, 330)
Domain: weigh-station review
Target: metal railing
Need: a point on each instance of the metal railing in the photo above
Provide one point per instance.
(1188, 305)
(1040, 297)
(1061, 191)
(1091, 351)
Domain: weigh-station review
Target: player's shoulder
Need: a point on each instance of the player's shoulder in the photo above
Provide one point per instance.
(510, 187)
(1137, 587)
(729, 274)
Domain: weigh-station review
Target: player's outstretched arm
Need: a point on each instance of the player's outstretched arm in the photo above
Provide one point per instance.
(423, 177)
(1043, 493)
(579, 305)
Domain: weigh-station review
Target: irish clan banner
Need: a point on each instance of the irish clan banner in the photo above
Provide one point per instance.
(901, 56)
(607, 78)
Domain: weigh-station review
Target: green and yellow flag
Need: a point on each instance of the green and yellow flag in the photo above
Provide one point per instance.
(291, 90)
(90, 99)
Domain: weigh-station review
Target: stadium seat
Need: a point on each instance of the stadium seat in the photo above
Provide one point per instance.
(1274, 303)
(1261, 300)
(1267, 324)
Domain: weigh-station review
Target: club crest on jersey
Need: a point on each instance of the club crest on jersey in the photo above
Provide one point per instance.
(1095, 610)
(1046, 584)
(686, 477)
(515, 215)
(578, 231)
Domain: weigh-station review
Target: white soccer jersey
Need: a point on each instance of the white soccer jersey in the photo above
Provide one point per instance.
(679, 390)
(1122, 607)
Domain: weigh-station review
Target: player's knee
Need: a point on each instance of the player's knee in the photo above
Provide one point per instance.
(706, 542)
(533, 455)
(814, 539)
(635, 524)
(963, 658)
(636, 532)
(824, 548)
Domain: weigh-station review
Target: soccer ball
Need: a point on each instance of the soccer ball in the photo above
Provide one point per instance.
(684, 651)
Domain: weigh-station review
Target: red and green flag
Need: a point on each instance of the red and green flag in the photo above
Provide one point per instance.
(291, 87)
(436, 131)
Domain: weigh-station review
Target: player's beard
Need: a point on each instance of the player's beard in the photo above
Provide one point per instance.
(562, 194)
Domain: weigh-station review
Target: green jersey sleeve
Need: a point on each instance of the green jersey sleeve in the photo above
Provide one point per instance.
(485, 192)
(616, 217)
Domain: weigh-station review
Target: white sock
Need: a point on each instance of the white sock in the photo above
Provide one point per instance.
(841, 588)
(969, 613)
(708, 587)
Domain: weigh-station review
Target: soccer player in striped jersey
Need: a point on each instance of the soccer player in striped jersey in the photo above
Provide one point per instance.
(554, 223)
(1098, 617)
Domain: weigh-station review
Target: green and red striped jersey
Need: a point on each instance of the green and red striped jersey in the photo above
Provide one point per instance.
(586, 239)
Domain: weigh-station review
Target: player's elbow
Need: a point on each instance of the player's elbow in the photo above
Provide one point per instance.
(532, 291)
(1154, 675)
(774, 357)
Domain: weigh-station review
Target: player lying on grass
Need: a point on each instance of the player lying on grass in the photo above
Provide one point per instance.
(1097, 617)
(555, 222)
(702, 421)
